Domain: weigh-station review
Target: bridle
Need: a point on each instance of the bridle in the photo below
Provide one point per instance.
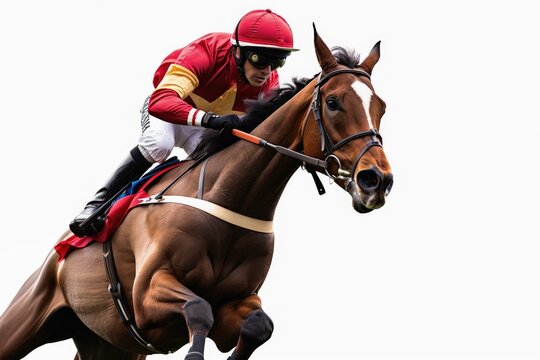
(327, 146)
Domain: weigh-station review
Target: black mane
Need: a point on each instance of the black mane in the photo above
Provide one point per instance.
(260, 109)
(347, 57)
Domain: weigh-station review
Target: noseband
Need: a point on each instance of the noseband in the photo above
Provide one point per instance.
(327, 145)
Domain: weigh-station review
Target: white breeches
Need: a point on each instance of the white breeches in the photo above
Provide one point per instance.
(159, 137)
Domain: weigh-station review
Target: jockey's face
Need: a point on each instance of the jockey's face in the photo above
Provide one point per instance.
(255, 76)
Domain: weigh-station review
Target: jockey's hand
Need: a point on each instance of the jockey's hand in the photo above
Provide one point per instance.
(226, 122)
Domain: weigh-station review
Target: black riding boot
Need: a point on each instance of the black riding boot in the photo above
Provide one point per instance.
(129, 170)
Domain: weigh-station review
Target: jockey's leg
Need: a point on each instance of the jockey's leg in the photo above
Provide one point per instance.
(242, 324)
(133, 166)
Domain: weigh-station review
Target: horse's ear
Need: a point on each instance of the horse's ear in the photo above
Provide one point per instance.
(372, 58)
(324, 55)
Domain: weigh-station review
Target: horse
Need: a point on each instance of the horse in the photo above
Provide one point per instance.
(190, 259)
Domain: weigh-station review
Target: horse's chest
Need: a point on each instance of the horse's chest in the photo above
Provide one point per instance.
(239, 274)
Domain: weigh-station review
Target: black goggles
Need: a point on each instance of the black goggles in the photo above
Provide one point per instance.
(260, 61)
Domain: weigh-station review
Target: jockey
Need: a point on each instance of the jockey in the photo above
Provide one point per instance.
(200, 86)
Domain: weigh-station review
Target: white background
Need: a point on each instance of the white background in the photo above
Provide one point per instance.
(448, 269)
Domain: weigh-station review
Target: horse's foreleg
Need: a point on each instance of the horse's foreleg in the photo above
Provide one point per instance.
(199, 320)
(165, 300)
(255, 331)
(242, 324)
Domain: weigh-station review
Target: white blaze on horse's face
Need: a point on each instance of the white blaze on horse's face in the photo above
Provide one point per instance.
(365, 93)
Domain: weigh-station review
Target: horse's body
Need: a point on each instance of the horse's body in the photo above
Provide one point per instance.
(186, 274)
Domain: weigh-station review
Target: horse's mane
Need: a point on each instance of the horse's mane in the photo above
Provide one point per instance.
(347, 57)
(258, 110)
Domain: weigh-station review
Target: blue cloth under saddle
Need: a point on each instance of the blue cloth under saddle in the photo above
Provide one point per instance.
(135, 185)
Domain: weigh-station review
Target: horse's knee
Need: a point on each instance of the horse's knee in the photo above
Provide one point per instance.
(198, 315)
(257, 327)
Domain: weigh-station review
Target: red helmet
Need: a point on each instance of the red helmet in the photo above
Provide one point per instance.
(263, 28)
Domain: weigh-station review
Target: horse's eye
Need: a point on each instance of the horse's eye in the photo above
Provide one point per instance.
(332, 104)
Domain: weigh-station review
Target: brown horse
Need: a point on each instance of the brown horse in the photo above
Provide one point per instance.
(191, 262)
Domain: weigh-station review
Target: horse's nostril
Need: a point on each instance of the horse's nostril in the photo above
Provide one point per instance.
(368, 180)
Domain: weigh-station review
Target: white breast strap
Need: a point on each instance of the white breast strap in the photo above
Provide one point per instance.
(215, 210)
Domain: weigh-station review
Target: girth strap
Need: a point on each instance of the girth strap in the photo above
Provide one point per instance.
(220, 212)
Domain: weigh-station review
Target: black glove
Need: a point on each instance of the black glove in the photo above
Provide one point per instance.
(216, 122)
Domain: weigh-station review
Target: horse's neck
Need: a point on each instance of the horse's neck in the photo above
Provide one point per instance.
(284, 126)
(253, 177)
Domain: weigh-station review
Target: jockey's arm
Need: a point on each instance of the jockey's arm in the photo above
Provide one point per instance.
(167, 101)
(166, 104)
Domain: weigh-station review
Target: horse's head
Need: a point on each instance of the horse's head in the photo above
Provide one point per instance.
(348, 116)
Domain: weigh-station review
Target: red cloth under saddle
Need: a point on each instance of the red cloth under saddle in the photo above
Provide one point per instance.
(114, 218)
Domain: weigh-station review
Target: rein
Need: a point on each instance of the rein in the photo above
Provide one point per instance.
(327, 146)
(280, 149)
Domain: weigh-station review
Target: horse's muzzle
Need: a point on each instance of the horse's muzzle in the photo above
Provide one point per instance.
(370, 189)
